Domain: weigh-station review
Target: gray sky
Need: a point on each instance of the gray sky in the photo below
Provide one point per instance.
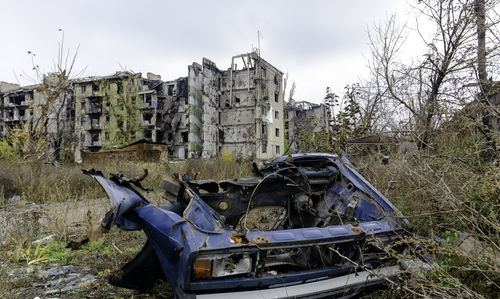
(319, 43)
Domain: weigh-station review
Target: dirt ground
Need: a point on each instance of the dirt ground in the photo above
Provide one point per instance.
(48, 269)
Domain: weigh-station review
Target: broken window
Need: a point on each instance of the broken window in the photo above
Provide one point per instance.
(277, 149)
(147, 117)
(159, 136)
(18, 99)
(264, 129)
(277, 132)
(184, 136)
(276, 97)
(276, 115)
(221, 136)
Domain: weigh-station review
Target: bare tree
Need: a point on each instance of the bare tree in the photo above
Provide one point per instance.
(52, 117)
(432, 85)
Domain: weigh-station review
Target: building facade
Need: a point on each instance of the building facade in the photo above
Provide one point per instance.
(305, 118)
(239, 110)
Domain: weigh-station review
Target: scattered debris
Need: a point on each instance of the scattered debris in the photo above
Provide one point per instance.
(57, 271)
(44, 240)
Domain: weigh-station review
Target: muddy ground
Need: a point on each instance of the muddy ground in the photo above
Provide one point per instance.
(47, 269)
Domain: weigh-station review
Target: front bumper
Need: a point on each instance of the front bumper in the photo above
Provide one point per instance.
(345, 285)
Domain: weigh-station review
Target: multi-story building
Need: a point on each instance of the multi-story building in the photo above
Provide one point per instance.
(29, 107)
(15, 105)
(238, 110)
(305, 118)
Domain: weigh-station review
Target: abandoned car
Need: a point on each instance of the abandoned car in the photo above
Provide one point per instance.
(305, 225)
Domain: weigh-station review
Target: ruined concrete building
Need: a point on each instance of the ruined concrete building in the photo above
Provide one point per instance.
(238, 110)
(305, 118)
(23, 107)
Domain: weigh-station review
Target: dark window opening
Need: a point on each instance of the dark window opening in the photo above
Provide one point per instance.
(18, 100)
(276, 97)
(170, 90)
(148, 134)
(264, 147)
(276, 81)
(22, 113)
(95, 137)
(107, 118)
(170, 136)
(119, 87)
(221, 136)
(277, 132)
(95, 87)
(184, 136)
(159, 136)
(264, 129)
(147, 117)
(237, 100)
(276, 115)
(186, 101)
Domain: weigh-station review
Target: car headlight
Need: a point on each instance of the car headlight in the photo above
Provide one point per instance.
(221, 265)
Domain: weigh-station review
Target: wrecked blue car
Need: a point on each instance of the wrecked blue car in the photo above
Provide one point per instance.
(305, 225)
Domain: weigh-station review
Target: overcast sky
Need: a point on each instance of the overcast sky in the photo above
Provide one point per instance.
(319, 43)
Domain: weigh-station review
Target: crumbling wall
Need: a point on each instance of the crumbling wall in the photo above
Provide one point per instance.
(211, 97)
(195, 100)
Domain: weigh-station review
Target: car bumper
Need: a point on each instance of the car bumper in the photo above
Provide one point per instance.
(338, 286)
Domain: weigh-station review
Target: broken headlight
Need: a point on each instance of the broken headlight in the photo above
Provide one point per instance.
(221, 265)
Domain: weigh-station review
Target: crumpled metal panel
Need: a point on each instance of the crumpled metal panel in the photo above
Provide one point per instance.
(178, 240)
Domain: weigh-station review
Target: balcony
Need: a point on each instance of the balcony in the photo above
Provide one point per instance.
(149, 105)
(94, 110)
(93, 126)
(93, 143)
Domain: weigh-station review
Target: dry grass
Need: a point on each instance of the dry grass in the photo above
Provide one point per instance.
(449, 190)
(42, 183)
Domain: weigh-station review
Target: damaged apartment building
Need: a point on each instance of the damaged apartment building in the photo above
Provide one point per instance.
(302, 119)
(22, 107)
(239, 110)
